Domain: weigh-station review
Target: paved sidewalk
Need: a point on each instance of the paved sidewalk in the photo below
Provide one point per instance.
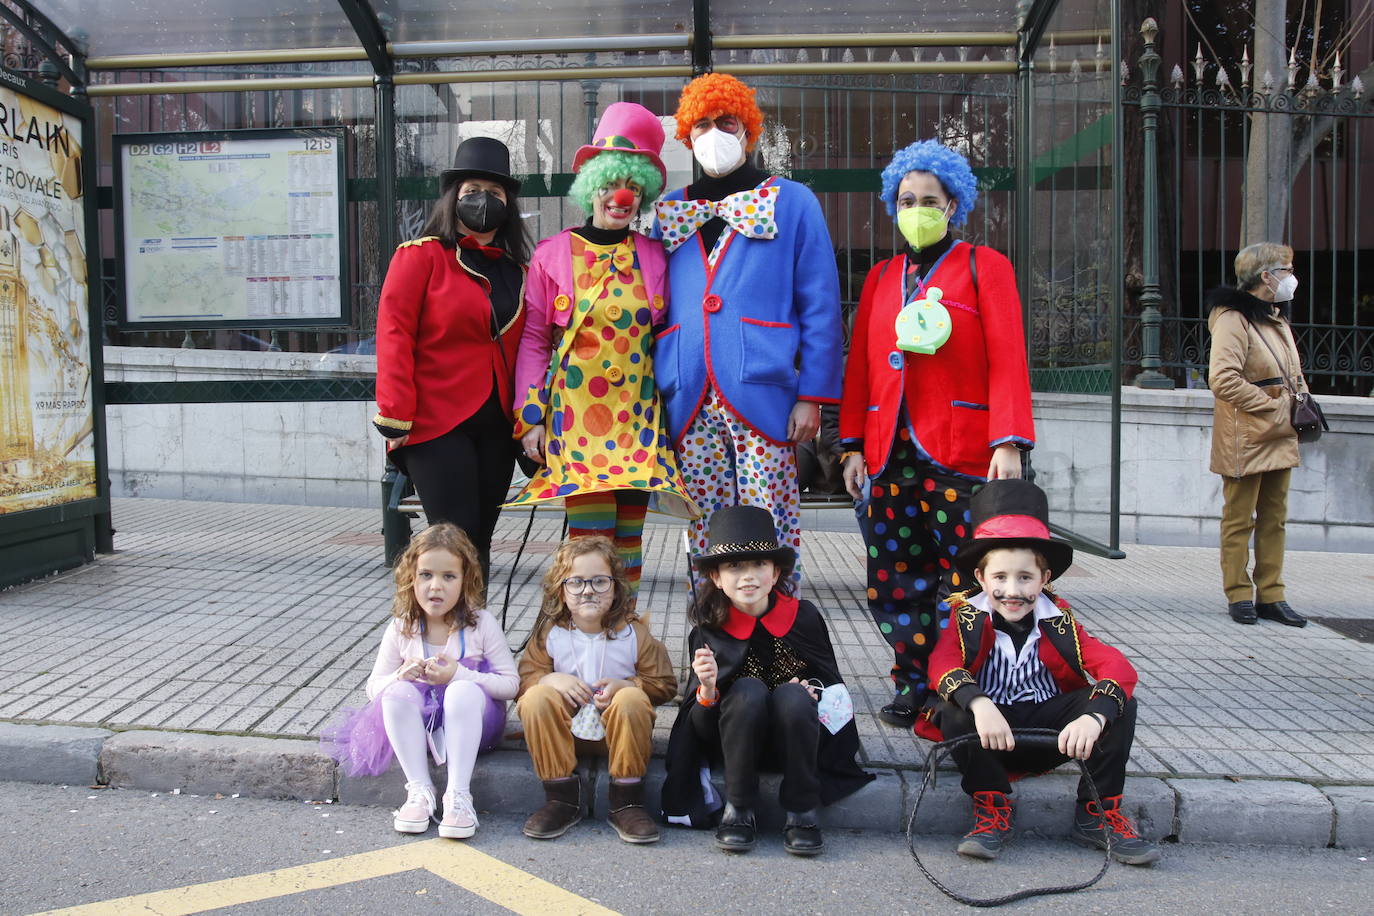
(261, 621)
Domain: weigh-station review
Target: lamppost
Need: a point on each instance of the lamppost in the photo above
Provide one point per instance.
(1150, 376)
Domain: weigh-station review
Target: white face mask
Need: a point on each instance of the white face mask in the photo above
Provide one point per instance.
(718, 152)
(1286, 288)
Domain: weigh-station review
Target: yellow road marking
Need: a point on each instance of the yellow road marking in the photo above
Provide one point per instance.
(484, 875)
(506, 885)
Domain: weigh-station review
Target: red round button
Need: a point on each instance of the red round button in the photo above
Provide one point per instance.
(711, 303)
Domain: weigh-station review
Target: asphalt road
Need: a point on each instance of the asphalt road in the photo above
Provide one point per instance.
(62, 847)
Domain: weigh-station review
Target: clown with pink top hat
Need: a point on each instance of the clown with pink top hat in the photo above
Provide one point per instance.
(586, 405)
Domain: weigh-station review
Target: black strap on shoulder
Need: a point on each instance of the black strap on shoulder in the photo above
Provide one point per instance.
(973, 265)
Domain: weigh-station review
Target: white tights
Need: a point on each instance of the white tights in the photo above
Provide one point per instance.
(464, 703)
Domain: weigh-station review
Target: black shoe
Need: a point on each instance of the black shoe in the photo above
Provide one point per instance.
(991, 826)
(1242, 611)
(802, 834)
(736, 832)
(1281, 612)
(898, 713)
(1098, 829)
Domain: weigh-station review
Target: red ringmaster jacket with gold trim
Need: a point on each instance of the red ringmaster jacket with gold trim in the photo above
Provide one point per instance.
(436, 356)
(964, 399)
(1073, 658)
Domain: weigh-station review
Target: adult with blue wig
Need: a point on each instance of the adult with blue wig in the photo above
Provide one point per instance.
(936, 402)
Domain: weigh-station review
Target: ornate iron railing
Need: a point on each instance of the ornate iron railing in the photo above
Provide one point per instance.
(1205, 113)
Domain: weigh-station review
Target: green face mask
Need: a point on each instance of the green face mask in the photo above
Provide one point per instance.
(921, 226)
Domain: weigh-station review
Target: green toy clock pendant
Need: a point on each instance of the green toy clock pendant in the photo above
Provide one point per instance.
(923, 325)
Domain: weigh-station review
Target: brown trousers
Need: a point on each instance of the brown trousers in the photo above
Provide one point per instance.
(1255, 504)
(629, 721)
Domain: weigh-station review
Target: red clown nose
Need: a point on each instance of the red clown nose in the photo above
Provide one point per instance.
(623, 197)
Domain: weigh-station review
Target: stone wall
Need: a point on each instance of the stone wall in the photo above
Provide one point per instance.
(1168, 495)
(314, 453)
(327, 453)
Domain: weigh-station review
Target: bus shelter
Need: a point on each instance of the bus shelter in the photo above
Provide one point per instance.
(1027, 89)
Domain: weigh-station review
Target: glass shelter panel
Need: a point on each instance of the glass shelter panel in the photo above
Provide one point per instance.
(116, 27)
(469, 20)
(1071, 224)
(770, 17)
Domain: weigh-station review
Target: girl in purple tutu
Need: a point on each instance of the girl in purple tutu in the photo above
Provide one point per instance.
(441, 679)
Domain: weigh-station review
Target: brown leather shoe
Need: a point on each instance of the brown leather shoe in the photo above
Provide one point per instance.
(562, 808)
(628, 815)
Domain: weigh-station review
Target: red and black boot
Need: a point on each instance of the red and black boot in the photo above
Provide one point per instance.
(1094, 827)
(991, 826)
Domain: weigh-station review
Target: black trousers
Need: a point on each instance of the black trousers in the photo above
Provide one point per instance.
(986, 771)
(756, 728)
(462, 476)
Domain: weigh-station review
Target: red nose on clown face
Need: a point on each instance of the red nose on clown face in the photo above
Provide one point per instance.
(623, 198)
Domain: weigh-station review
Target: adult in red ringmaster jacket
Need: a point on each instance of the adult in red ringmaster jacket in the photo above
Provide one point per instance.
(936, 402)
(448, 326)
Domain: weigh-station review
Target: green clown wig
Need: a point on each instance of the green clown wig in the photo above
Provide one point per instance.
(612, 165)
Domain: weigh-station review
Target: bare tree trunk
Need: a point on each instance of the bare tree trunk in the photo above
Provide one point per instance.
(1269, 169)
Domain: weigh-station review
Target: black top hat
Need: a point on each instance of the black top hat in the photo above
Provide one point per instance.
(1012, 513)
(480, 157)
(743, 533)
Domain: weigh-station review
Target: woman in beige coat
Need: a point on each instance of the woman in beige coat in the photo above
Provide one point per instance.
(1253, 371)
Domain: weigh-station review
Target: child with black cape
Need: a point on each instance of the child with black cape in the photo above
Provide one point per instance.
(760, 661)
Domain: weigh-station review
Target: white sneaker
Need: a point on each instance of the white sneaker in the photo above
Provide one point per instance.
(460, 820)
(414, 816)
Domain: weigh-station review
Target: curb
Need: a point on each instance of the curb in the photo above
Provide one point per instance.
(1191, 810)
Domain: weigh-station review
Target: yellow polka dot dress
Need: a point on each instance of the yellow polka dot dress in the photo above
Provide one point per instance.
(603, 419)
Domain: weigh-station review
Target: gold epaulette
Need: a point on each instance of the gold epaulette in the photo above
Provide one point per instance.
(419, 241)
(961, 611)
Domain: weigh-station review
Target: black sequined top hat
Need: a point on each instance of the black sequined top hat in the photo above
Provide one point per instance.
(1012, 513)
(480, 157)
(743, 533)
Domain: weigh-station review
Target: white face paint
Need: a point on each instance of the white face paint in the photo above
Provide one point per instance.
(719, 153)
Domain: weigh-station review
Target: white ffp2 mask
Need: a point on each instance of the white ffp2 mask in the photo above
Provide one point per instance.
(718, 152)
(1287, 287)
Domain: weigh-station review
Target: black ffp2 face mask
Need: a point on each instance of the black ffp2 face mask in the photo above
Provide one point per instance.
(481, 211)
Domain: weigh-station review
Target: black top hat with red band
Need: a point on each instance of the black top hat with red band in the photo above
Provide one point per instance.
(1012, 513)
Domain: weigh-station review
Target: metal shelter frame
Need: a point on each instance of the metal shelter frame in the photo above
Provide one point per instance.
(685, 54)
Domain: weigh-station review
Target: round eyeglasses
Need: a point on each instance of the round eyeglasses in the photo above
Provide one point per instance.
(578, 585)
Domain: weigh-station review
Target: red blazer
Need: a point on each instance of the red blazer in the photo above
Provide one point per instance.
(436, 359)
(1065, 648)
(964, 400)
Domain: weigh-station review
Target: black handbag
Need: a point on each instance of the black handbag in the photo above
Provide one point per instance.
(1307, 417)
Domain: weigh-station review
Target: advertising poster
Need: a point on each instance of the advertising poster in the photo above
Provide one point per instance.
(240, 229)
(47, 440)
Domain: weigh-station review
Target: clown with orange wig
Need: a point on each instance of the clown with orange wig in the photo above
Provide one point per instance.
(753, 340)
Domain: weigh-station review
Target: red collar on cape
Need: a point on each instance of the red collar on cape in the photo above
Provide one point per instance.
(778, 620)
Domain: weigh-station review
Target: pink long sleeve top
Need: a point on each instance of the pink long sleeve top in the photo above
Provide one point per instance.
(484, 639)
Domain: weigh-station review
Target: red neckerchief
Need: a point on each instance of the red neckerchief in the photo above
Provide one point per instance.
(467, 241)
(777, 620)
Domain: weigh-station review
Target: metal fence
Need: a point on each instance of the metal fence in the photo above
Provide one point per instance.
(833, 133)
(1205, 139)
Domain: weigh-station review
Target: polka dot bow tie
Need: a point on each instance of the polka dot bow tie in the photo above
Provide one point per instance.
(621, 259)
(749, 213)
